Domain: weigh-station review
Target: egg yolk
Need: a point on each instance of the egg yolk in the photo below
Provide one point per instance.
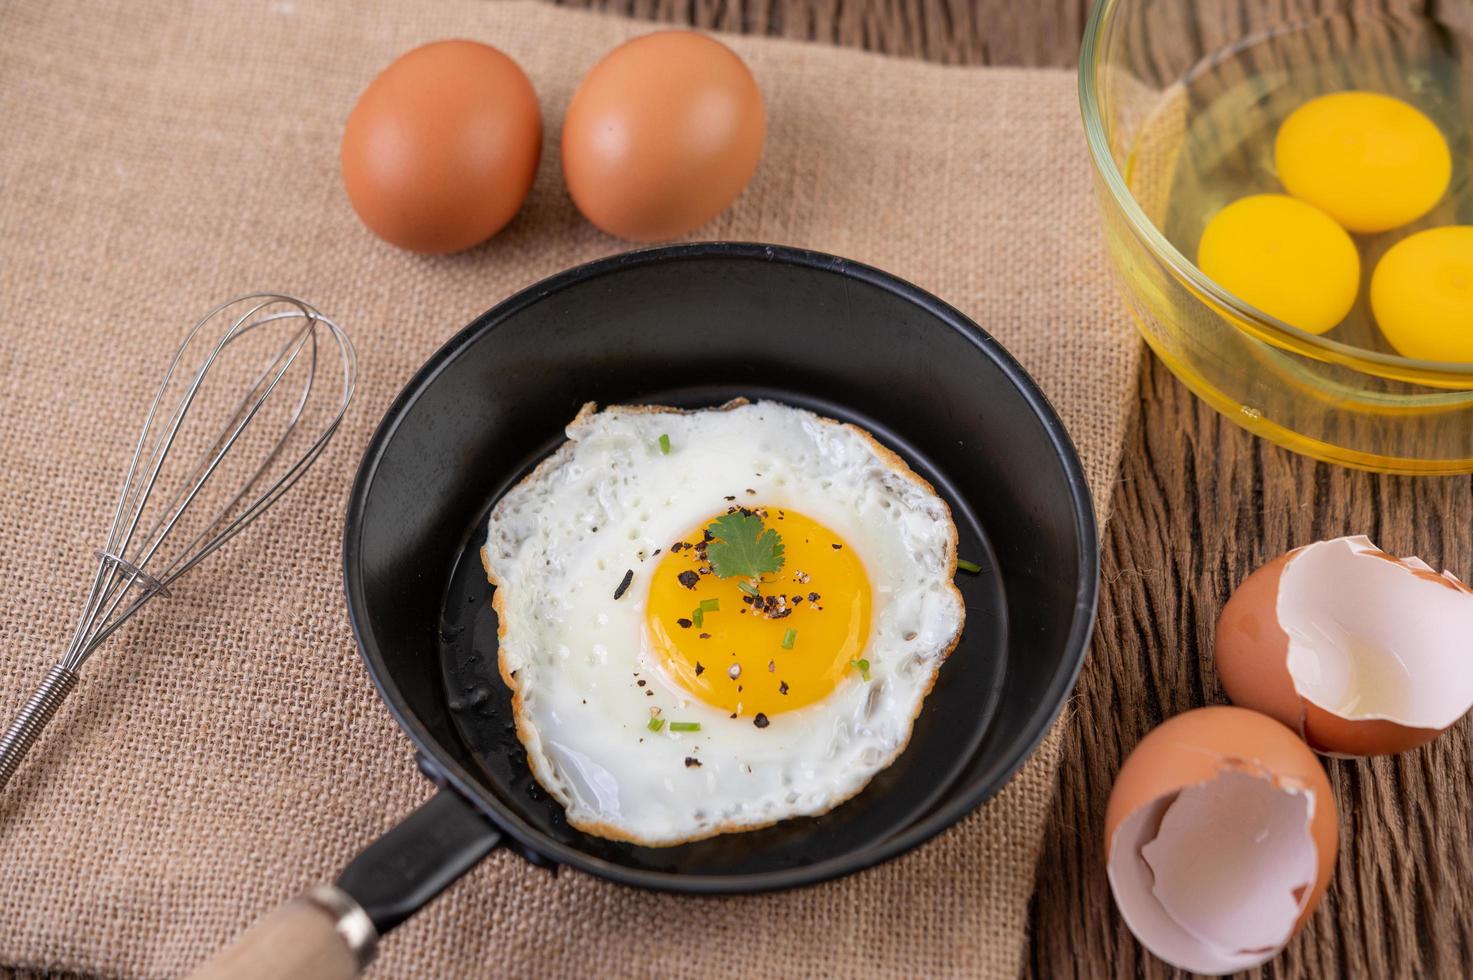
(789, 645)
(1287, 258)
(1422, 294)
(1369, 161)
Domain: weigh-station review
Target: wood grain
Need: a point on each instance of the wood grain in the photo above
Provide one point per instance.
(1199, 505)
(969, 32)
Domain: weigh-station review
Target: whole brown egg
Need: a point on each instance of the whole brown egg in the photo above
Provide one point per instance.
(440, 151)
(662, 135)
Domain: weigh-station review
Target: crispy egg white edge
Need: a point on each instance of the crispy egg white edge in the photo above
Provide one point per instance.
(527, 732)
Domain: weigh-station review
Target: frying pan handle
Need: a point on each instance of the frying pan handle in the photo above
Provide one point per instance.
(330, 932)
(321, 934)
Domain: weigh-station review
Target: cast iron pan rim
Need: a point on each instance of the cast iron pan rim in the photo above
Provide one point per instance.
(1024, 743)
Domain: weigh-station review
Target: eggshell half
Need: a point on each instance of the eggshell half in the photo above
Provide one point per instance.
(1360, 652)
(1220, 837)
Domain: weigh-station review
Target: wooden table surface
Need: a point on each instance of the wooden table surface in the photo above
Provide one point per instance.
(1200, 503)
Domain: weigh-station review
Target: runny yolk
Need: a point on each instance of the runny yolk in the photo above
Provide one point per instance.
(788, 647)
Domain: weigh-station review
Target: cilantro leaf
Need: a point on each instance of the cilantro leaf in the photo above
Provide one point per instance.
(742, 546)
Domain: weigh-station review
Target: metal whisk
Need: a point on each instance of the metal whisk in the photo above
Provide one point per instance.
(174, 510)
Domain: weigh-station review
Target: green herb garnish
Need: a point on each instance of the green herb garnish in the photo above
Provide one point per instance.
(789, 638)
(743, 547)
(656, 724)
(860, 665)
(749, 589)
(968, 566)
(710, 605)
(697, 616)
(685, 726)
(664, 444)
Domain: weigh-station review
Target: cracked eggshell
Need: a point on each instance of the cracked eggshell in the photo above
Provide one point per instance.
(1359, 652)
(1220, 837)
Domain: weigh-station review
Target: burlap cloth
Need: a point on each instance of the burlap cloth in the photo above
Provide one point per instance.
(226, 749)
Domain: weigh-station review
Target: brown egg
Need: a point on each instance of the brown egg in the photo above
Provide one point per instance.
(1359, 652)
(1220, 838)
(441, 149)
(662, 135)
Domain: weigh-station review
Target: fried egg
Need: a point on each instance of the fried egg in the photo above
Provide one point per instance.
(715, 620)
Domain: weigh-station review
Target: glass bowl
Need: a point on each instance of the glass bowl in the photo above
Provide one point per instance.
(1171, 91)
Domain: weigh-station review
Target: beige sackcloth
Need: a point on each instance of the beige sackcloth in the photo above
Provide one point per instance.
(226, 749)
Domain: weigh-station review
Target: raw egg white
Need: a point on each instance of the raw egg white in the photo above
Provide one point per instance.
(661, 702)
(1220, 837)
(1359, 652)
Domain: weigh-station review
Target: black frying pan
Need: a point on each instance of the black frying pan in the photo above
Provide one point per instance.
(690, 325)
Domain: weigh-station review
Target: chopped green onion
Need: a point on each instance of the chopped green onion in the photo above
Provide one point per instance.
(685, 726)
(697, 616)
(968, 566)
(656, 724)
(710, 605)
(860, 665)
(748, 588)
(789, 638)
(664, 444)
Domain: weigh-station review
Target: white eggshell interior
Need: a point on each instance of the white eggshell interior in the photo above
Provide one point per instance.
(1372, 639)
(1213, 878)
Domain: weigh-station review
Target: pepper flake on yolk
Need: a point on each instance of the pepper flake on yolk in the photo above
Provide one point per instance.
(787, 646)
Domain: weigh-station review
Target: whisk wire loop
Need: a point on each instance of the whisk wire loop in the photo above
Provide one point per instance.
(133, 566)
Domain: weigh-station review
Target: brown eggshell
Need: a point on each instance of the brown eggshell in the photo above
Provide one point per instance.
(1252, 650)
(662, 136)
(1329, 733)
(1196, 746)
(1252, 657)
(441, 149)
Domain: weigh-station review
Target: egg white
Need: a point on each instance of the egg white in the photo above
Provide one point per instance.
(559, 544)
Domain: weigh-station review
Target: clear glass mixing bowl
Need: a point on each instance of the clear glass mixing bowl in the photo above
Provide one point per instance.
(1174, 93)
